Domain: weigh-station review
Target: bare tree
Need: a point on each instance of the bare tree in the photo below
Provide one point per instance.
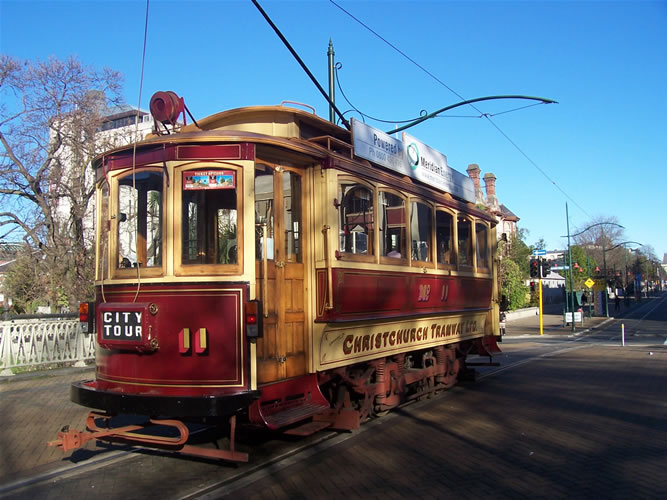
(49, 115)
(598, 237)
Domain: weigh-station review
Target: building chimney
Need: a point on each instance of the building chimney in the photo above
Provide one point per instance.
(490, 185)
(473, 172)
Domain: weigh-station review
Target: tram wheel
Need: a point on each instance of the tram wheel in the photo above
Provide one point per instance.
(452, 366)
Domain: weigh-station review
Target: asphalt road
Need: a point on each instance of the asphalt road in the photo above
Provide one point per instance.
(570, 416)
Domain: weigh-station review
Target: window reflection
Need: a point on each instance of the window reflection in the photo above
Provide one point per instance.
(140, 219)
(292, 216)
(392, 225)
(481, 236)
(421, 226)
(356, 219)
(264, 200)
(444, 230)
(103, 256)
(464, 228)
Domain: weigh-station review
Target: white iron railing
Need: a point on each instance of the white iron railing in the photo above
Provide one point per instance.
(43, 343)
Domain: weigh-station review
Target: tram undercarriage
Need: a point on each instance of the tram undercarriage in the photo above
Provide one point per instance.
(341, 399)
(376, 387)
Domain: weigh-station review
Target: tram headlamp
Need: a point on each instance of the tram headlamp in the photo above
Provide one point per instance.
(166, 107)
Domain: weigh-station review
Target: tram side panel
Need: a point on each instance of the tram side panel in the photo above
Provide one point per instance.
(364, 311)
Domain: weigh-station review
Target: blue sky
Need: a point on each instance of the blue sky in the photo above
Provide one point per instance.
(602, 149)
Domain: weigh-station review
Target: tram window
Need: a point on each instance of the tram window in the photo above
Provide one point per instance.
(481, 236)
(356, 219)
(264, 220)
(209, 219)
(140, 220)
(444, 230)
(292, 216)
(464, 227)
(103, 251)
(421, 227)
(392, 225)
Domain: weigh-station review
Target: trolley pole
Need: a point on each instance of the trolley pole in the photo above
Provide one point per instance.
(332, 97)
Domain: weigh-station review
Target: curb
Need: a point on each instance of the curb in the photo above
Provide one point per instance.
(57, 372)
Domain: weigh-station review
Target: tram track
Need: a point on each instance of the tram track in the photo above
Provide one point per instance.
(230, 485)
(232, 479)
(66, 471)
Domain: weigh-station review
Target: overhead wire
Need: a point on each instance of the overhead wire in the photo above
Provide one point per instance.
(481, 113)
(364, 115)
(134, 148)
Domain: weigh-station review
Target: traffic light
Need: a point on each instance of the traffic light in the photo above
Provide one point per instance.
(534, 268)
(532, 286)
(546, 268)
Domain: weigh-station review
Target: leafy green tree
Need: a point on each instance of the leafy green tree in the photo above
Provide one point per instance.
(26, 281)
(540, 244)
(583, 267)
(512, 282)
(514, 257)
(516, 250)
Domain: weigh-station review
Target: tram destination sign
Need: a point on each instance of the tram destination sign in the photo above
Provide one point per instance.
(412, 158)
(208, 179)
(121, 325)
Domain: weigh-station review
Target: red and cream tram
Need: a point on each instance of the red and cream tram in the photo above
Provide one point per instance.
(266, 265)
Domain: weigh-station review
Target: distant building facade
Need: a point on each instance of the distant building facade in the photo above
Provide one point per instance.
(8, 252)
(120, 126)
(507, 220)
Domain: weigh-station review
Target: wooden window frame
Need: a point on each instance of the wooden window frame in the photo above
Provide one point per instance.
(483, 269)
(356, 257)
(430, 264)
(181, 269)
(471, 265)
(403, 260)
(453, 254)
(114, 210)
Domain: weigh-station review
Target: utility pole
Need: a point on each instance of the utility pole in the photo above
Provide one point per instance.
(604, 267)
(332, 97)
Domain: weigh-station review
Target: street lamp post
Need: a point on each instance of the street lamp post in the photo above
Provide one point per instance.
(604, 258)
(604, 271)
(569, 254)
(625, 257)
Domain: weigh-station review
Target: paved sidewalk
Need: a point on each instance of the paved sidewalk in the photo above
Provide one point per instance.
(33, 408)
(552, 322)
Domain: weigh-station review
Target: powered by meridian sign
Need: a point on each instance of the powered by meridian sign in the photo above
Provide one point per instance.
(412, 158)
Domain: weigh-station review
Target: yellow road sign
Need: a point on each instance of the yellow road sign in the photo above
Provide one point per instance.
(589, 283)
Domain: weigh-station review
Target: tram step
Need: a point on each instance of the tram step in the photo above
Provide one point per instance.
(289, 401)
(294, 414)
(307, 429)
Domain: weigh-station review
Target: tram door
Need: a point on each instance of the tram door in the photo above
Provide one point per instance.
(279, 237)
